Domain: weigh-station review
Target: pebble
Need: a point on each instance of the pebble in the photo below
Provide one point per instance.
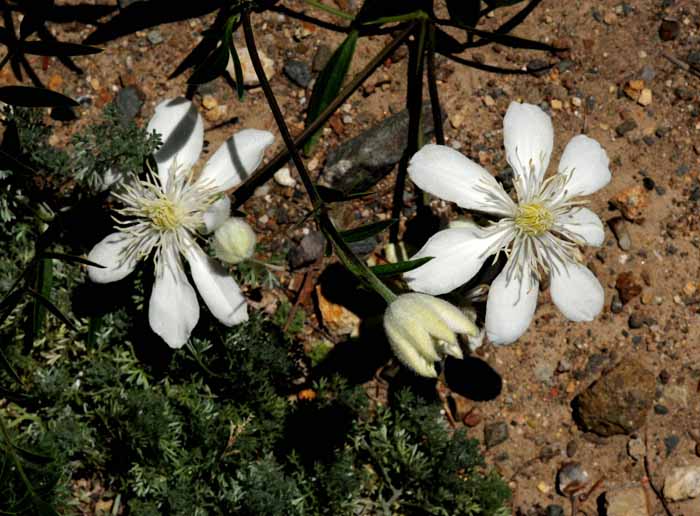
(632, 202)
(571, 448)
(661, 410)
(669, 29)
(571, 478)
(298, 72)
(628, 501)
(209, 102)
(618, 402)
(128, 102)
(648, 73)
(495, 433)
(682, 483)
(307, 251)
(554, 510)
(619, 229)
(670, 443)
(635, 321)
(625, 127)
(538, 67)
(250, 78)
(628, 286)
(283, 177)
(154, 37)
(645, 97)
(616, 305)
(556, 104)
(321, 57)
(636, 448)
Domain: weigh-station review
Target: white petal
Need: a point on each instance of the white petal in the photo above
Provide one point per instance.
(588, 164)
(577, 292)
(216, 286)
(449, 175)
(456, 320)
(510, 308)
(406, 352)
(182, 132)
(217, 214)
(110, 252)
(584, 224)
(236, 159)
(457, 253)
(173, 310)
(528, 138)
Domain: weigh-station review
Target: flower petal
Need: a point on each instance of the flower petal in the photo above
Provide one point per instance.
(528, 137)
(180, 126)
(406, 352)
(458, 254)
(510, 307)
(218, 289)
(449, 175)
(236, 159)
(582, 225)
(111, 253)
(576, 292)
(587, 164)
(217, 214)
(173, 310)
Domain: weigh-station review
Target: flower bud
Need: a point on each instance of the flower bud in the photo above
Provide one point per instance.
(421, 328)
(234, 241)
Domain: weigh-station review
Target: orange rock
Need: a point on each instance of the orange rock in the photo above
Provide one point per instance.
(337, 318)
(632, 202)
(55, 82)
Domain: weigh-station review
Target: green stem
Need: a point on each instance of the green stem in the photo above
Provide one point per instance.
(330, 10)
(265, 173)
(343, 251)
(414, 101)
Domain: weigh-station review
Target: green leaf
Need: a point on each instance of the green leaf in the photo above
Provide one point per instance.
(394, 269)
(29, 96)
(240, 84)
(329, 83)
(51, 308)
(69, 258)
(366, 231)
(212, 67)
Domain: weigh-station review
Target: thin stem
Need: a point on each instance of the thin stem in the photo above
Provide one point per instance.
(433, 92)
(345, 254)
(330, 10)
(265, 173)
(414, 100)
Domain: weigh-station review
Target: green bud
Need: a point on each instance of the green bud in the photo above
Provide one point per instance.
(234, 241)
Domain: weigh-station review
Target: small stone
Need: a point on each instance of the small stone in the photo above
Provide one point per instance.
(495, 433)
(472, 418)
(616, 305)
(670, 443)
(645, 97)
(321, 57)
(610, 18)
(55, 82)
(648, 73)
(489, 101)
(636, 448)
(209, 102)
(554, 510)
(632, 202)
(128, 102)
(682, 483)
(337, 318)
(628, 501)
(556, 104)
(563, 365)
(619, 229)
(283, 177)
(576, 102)
(625, 127)
(635, 321)
(308, 251)
(250, 78)
(571, 448)
(627, 286)
(298, 72)
(648, 183)
(543, 488)
(538, 67)
(618, 402)
(669, 29)
(571, 478)
(154, 37)
(661, 410)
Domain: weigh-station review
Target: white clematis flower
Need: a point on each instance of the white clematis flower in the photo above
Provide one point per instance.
(421, 328)
(539, 233)
(166, 212)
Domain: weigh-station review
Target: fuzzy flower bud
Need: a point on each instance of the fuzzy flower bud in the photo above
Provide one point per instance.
(234, 241)
(421, 328)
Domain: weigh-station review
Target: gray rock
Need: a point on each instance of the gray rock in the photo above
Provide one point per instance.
(629, 501)
(625, 127)
(298, 72)
(635, 321)
(154, 37)
(128, 101)
(321, 57)
(682, 483)
(618, 402)
(619, 229)
(648, 73)
(360, 163)
(571, 478)
(307, 251)
(495, 433)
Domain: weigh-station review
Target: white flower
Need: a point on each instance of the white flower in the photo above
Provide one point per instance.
(421, 328)
(166, 213)
(539, 233)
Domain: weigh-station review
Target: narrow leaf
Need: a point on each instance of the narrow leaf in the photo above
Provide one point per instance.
(51, 308)
(29, 96)
(58, 48)
(394, 269)
(240, 83)
(366, 231)
(44, 282)
(70, 258)
(212, 67)
(329, 82)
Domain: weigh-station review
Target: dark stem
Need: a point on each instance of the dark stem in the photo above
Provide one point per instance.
(433, 92)
(414, 101)
(263, 174)
(343, 251)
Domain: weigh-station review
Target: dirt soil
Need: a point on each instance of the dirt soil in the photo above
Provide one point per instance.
(655, 161)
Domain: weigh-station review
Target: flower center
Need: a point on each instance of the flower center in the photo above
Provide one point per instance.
(165, 214)
(534, 219)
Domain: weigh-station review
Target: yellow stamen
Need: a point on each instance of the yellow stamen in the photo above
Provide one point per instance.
(165, 214)
(534, 219)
